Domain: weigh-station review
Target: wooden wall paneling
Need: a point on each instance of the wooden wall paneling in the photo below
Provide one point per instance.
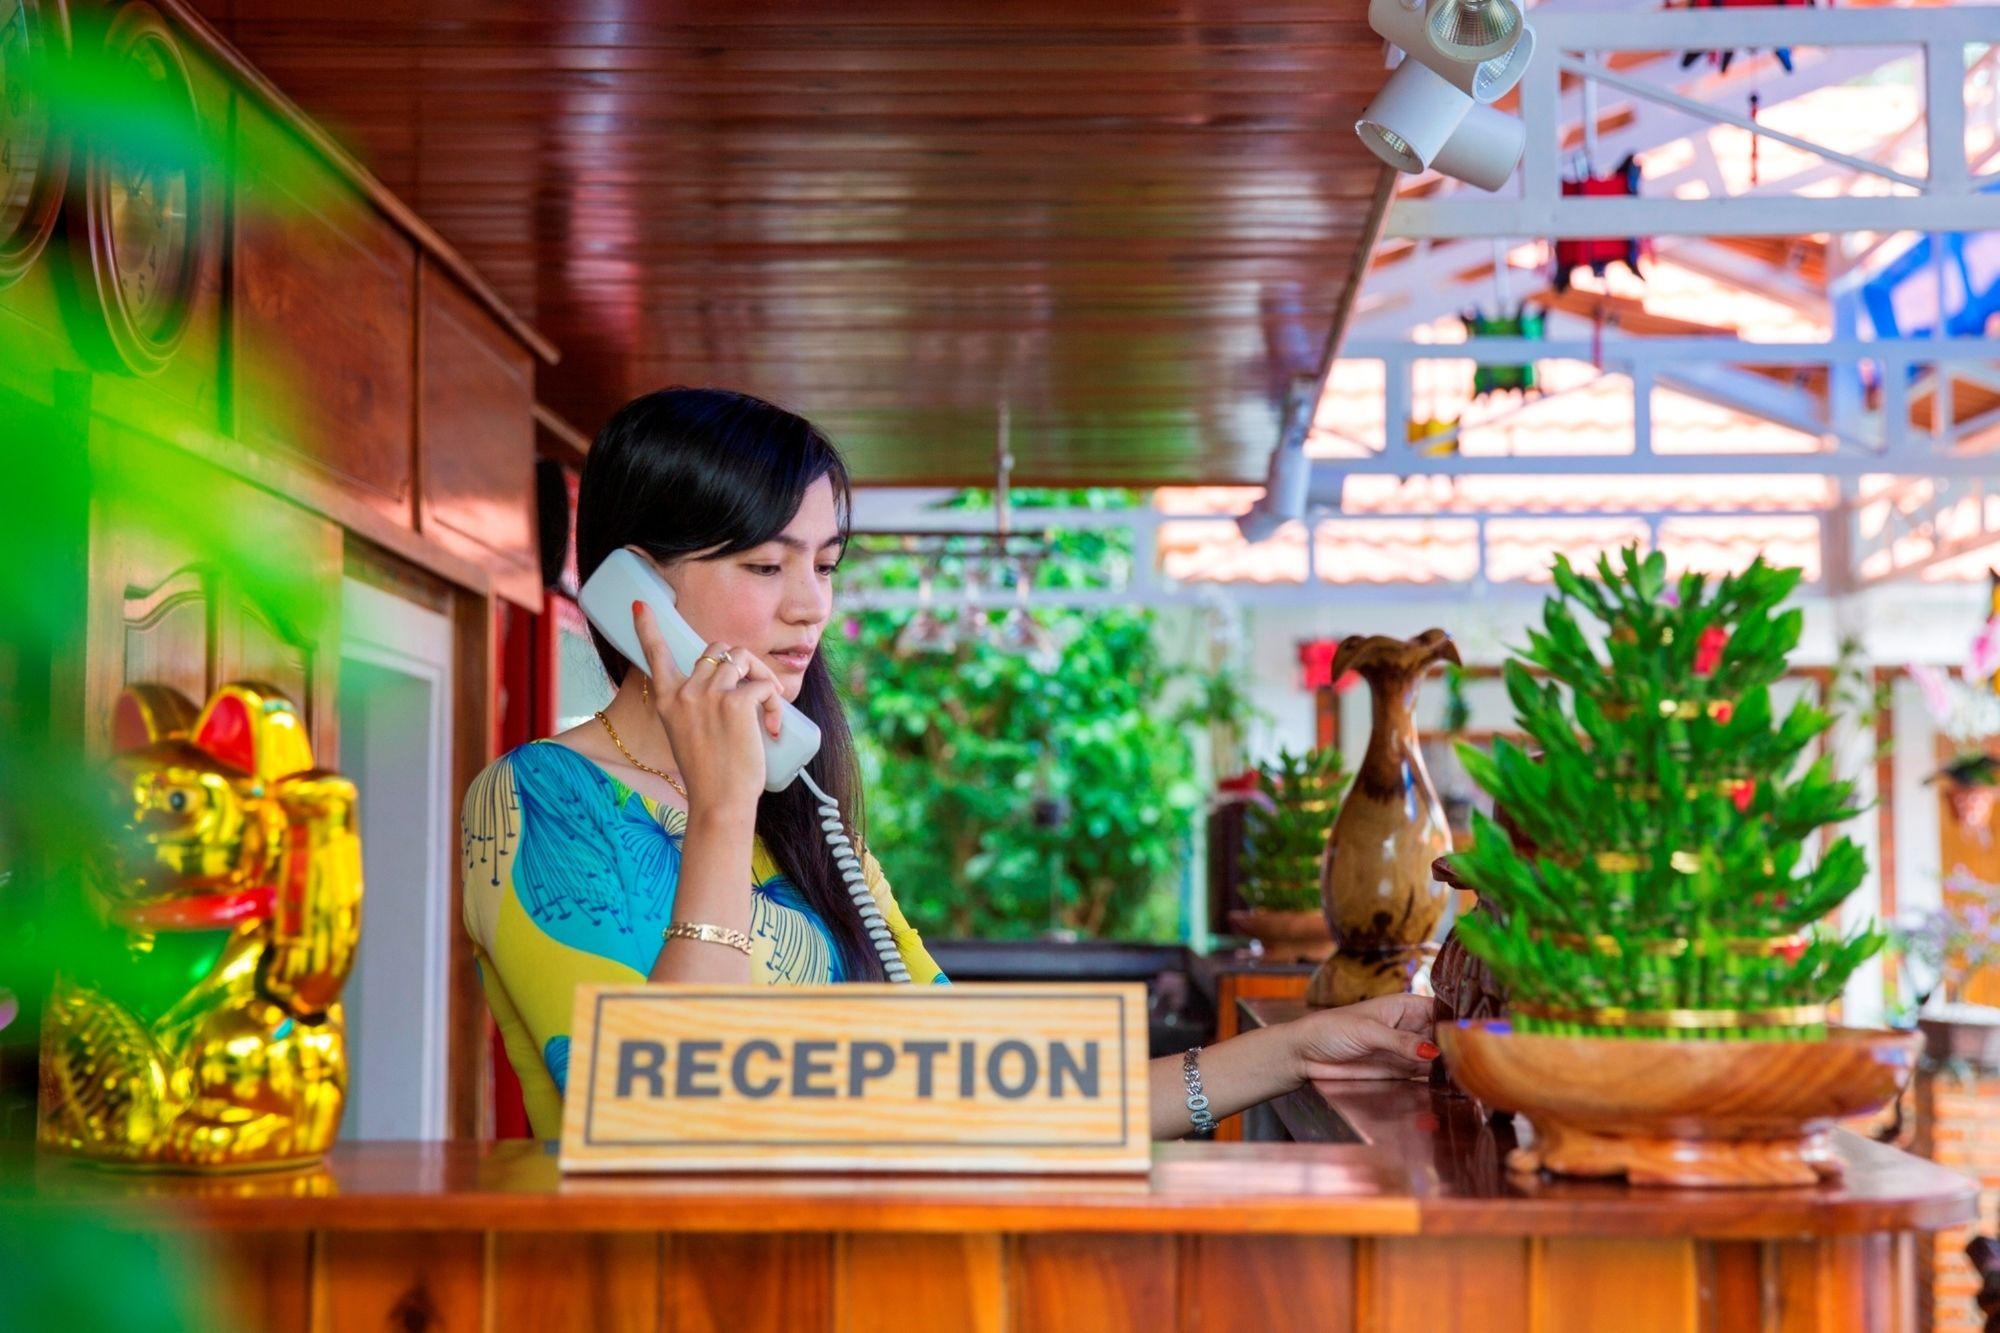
(323, 300)
(777, 1283)
(1267, 1284)
(1442, 1284)
(1635, 1286)
(262, 1279)
(576, 1282)
(468, 1094)
(1094, 1283)
(958, 1282)
(477, 439)
(387, 571)
(408, 1281)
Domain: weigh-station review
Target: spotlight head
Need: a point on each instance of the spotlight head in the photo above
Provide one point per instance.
(1473, 30)
(1446, 35)
(1412, 117)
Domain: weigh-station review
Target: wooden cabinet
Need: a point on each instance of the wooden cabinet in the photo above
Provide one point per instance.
(167, 606)
(324, 337)
(478, 440)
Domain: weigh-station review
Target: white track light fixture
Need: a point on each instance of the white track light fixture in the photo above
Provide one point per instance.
(1485, 150)
(1419, 121)
(1482, 47)
(1290, 474)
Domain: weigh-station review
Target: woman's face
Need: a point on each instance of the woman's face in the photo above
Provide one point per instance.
(773, 599)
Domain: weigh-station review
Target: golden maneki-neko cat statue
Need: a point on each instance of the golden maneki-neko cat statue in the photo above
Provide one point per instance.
(210, 1037)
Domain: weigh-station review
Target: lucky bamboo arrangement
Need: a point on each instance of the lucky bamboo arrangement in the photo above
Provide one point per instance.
(1285, 831)
(1662, 885)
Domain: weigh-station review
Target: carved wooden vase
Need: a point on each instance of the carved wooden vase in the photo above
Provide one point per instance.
(1376, 888)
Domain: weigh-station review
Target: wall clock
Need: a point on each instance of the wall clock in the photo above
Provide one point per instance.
(140, 241)
(34, 155)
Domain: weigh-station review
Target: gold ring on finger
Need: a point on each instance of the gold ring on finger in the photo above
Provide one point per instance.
(719, 661)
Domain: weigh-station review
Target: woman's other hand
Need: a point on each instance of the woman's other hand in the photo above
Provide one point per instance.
(1390, 1036)
(712, 716)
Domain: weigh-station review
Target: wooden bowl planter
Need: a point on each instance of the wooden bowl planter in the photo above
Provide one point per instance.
(1736, 1113)
(1286, 937)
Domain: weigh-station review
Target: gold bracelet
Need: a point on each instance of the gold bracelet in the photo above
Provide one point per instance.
(688, 930)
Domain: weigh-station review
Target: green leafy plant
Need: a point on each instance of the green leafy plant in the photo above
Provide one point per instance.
(1669, 813)
(1457, 711)
(1007, 799)
(1284, 833)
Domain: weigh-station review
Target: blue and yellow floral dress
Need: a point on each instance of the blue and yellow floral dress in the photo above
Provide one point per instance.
(570, 877)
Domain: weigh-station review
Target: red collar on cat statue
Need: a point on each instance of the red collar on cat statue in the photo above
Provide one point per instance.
(209, 911)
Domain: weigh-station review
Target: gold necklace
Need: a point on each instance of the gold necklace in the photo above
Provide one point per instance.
(633, 760)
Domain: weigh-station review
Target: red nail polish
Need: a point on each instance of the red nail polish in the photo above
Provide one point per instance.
(636, 604)
(1427, 1051)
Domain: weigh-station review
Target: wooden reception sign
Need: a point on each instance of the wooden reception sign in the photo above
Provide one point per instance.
(978, 1077)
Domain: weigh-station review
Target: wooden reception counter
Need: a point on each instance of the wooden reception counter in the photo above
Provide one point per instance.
(1408, 1223)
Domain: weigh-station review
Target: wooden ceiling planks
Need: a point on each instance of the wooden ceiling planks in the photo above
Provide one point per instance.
(1133, 220)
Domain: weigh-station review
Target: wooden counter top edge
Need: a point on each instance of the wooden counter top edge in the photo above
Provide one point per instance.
(1313, 1190)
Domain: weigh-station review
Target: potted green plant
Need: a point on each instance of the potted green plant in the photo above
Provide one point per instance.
(1284, 836)
(1663, 935)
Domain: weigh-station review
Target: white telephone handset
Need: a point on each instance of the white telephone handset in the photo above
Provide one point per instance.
(607, 597)
(625, 578)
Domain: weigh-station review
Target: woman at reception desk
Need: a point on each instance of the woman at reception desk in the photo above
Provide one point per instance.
(643, 844)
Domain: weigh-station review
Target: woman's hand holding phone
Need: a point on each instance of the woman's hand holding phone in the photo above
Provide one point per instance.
(711, 716)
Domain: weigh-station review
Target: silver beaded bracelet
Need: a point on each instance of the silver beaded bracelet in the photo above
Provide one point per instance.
(1197, 1100)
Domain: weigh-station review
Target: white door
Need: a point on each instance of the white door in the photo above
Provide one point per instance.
(395, 743)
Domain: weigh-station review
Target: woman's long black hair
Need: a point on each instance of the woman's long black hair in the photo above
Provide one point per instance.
(709, 473)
